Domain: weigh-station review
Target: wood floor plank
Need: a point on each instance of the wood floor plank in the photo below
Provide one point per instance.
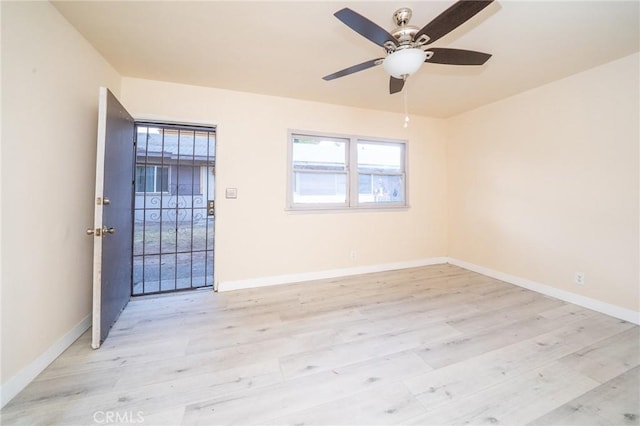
(616, 402)
(84, 359)
(513, 402)
(68, 387)
(338, 355)
(498, 336)
(491, 368)
(508, 308)
(381, 405)
(608, 358)
(169, 391)
(261, 405)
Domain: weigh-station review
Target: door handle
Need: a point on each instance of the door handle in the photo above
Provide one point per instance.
(100, 232)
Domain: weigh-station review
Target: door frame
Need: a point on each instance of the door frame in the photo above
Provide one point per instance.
(150, 118)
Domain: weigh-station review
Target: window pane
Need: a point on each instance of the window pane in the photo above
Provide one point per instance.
(380, 157)
(319, 188)
(385, 189)
(365, 184)
(140, 179)
(311, 153)
(163, 185)
(150, 179)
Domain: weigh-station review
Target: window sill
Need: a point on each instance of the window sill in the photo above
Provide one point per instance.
(358, 209)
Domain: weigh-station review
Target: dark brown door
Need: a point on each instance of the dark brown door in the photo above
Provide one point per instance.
(113, 215)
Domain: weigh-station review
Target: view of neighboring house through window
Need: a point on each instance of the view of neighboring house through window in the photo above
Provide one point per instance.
(152, 179)
(320, 172)
(381, 172)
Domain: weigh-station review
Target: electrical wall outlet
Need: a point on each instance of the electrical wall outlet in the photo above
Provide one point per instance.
(579, 278)
(353, 255)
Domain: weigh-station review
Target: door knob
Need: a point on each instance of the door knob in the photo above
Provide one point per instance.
(100, 232)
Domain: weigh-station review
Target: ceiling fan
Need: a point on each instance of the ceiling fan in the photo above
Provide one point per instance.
(406, 47)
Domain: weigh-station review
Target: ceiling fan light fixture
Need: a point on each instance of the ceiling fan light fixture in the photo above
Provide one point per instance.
(404, 62)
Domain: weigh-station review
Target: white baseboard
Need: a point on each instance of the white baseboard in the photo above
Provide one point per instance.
(586, 302)
(14, 385)
(331, 273)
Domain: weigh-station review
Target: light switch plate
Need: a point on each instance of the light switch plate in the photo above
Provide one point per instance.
(231, 193)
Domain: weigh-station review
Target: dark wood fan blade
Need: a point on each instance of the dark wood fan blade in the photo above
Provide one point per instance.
(452, 18)
(364, 27)
(395, 85)
(354, 68)
(456, 56)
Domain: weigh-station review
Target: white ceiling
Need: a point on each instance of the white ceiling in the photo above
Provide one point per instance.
(284, 48)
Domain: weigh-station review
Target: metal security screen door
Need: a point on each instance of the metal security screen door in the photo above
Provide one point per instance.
(173, 231)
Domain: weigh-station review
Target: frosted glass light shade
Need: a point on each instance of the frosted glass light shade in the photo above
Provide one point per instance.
(404, 62)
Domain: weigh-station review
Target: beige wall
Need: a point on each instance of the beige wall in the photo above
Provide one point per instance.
(255, 236)
(50, 80)
(546, 183)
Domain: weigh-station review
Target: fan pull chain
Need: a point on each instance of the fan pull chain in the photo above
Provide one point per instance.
(406, 107)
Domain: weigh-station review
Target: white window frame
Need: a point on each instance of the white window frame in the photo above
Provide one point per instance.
(352, 178)
(155, 180)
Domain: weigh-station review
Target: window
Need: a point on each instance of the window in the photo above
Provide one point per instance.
(320, 172)
(380, 172)
(152, 179)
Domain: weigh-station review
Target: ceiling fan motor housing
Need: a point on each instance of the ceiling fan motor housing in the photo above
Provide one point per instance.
(404, 33)
(402, 16)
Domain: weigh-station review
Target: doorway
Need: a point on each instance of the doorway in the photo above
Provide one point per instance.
(174, 208)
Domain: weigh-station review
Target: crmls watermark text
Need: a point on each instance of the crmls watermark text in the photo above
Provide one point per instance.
(111, 417)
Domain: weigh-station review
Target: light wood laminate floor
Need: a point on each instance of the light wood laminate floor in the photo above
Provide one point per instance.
(432, 345)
